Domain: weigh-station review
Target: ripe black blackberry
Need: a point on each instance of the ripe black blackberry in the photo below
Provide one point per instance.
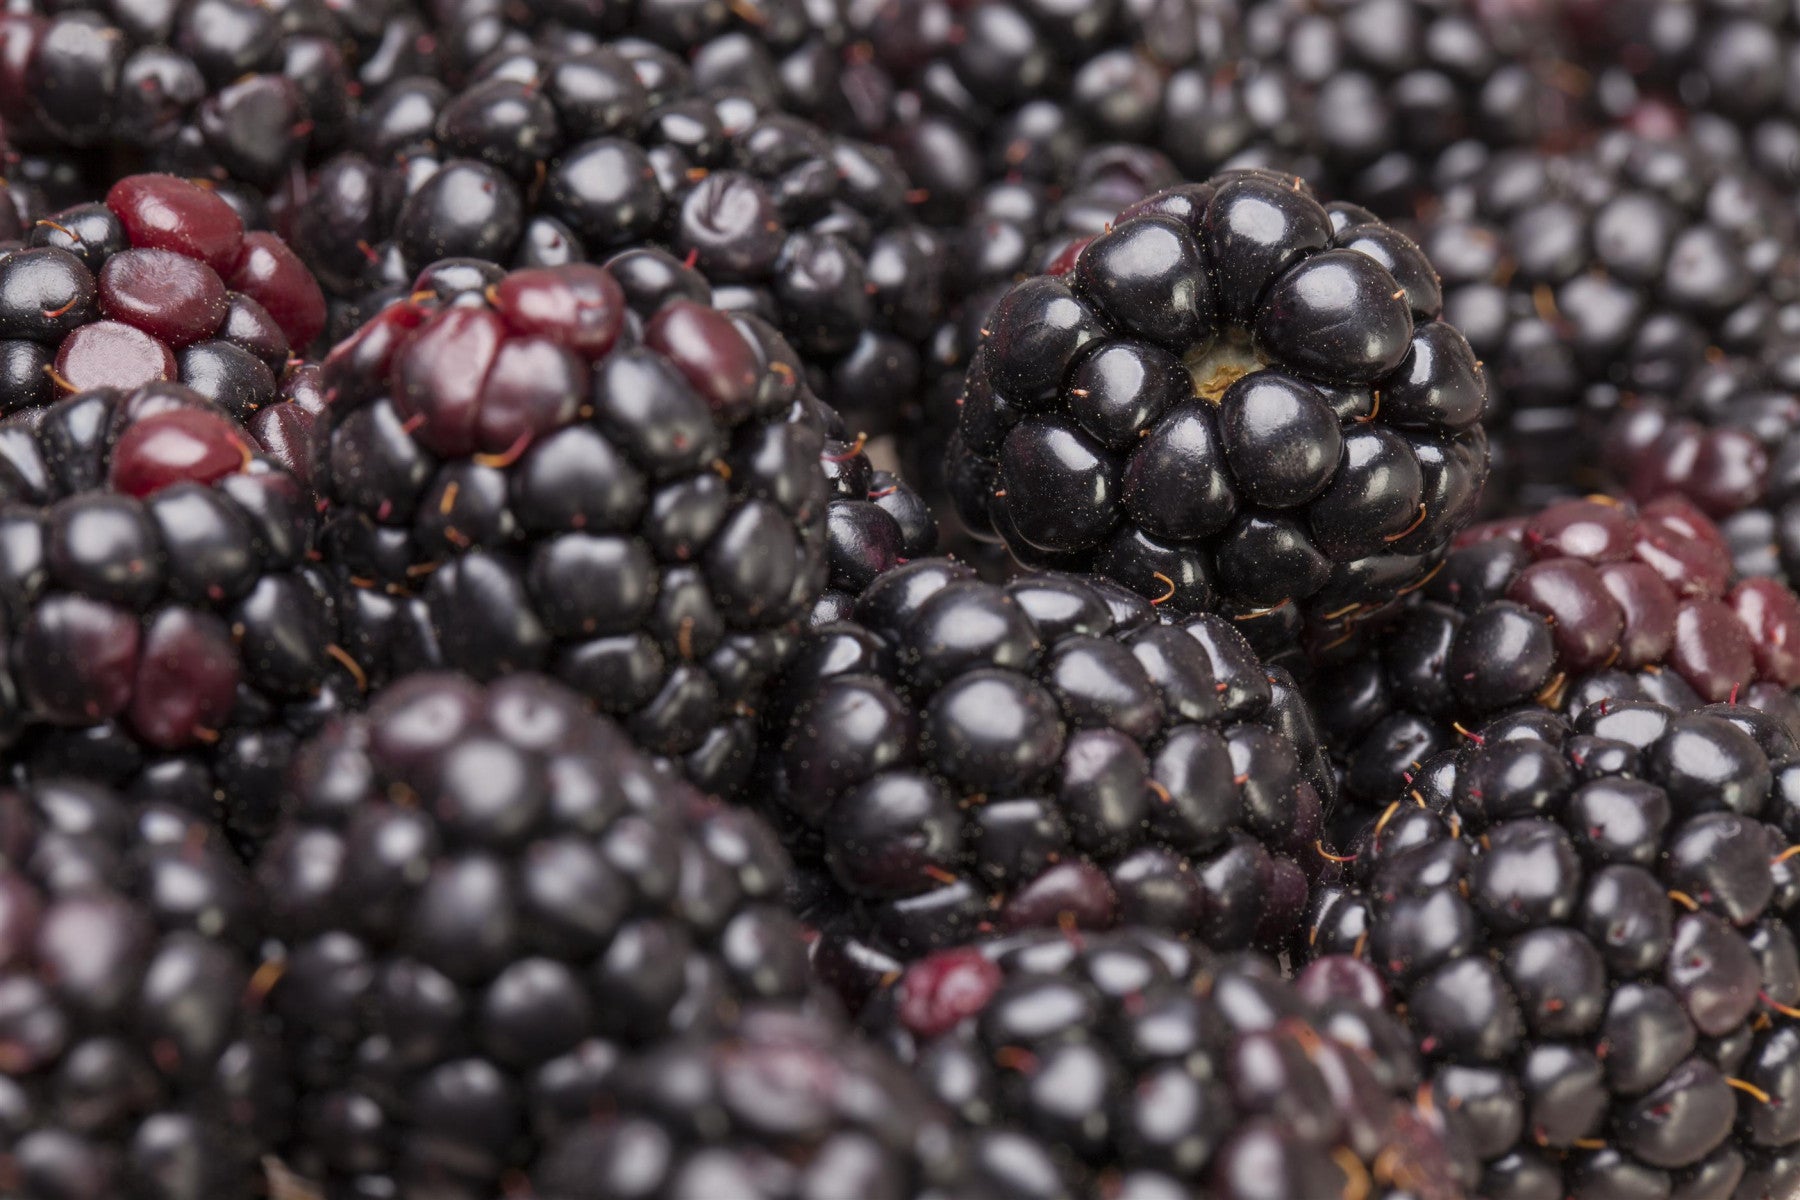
(552, 155)
(239, 92)
(1588, 926)
(875, 521)
(484, 898)
(967, 755)
(1237, 398)
(585, 472)
(159, 283)
(1129, 1063)
(1581, 605)
(164, 629)
(1591, 280)
(787, 1103)
(138, 1060)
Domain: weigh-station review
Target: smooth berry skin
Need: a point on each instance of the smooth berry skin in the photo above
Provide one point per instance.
(1373, 497)
(579, 307)
(107, 354)
(270, 273)
(176, 299)
(1148, 277)
(176, 446)
(187, 679)
(1336, 317)
(1063, 485)
(1177, 483)
(163, 212)
(709, 351)
(1261, 229)
(1281, 439)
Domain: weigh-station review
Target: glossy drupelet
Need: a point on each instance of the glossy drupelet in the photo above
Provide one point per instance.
(165, 630)
(1131, 1064)
(482, 899)
(1599, 282)
(787, 1103)
(139, 1060)
(966, 755)
(1583, 604)
(1237, 398)
(160, 282)
(241, 93)
(1588, 926)
(584, 472)
(560, 150)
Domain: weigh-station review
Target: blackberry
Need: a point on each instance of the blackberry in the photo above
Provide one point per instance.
(874, 522)
(138, 1060)
(551, 155)
(968, 755)
(1588, 927)
(787, 1103)
(588, 473)
(1237, 397)
(239, 92)
(1724, 440)
(159, 283)
(1591, 281)
(1129, 1063)
(164, 630)
(484, 899)
(1582, 605)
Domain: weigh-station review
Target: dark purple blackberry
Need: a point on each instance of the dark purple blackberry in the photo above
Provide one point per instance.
(787, 1103)
(550, 155)
(967, 755)
(165, 630)
(1128, 1063)
(614, 484)
(1598, 281)
(484, 898)
(159, 283)
(1588, 927)
(1235, 398)
(137, 1057)
(1583, 605)
(227, 89)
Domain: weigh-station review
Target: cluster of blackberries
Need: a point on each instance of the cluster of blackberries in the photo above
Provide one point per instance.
(822, 599)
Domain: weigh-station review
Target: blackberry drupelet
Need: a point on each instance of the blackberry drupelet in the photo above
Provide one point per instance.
(164, 630)
(875, 522)
(586, 472)
(552, 155)
(240, 92)
(1581, 605)
(788, 1103)
(1597, 280)
(1131, 1064)
(485, 898)
(138, 1060)
(1237, 398)
(159, 283)
(967, 755)
(1588, 926)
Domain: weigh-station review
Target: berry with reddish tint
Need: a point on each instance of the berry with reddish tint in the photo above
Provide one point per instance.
(1584, 604)
(546, 471)
(165, 631)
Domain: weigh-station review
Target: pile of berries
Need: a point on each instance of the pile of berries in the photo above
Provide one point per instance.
(908, 599)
